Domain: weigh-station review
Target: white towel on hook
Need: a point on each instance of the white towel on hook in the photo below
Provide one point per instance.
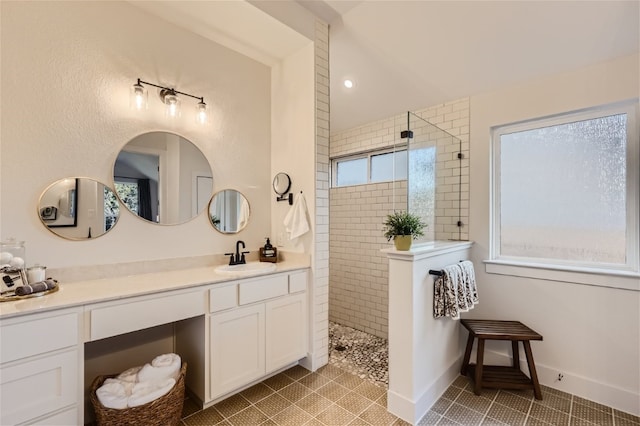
(295, 222)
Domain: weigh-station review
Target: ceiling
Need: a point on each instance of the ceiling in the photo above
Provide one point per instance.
(408, 55)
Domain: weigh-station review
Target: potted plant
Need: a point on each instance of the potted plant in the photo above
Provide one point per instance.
(403, 227)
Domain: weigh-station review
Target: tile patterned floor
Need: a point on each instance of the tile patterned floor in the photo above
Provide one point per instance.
(344, 393)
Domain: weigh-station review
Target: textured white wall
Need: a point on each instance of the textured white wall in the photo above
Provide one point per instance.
(66, 72)
(591, 334)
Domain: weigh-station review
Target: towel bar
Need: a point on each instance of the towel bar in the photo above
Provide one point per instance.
(439, 273)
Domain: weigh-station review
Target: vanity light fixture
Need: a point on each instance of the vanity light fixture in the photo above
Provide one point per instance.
(169, 97)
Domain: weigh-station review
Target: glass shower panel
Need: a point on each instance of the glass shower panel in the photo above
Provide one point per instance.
(399, 184)
(433, 183)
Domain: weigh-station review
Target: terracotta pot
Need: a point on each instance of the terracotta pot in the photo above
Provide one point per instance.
(402, 242)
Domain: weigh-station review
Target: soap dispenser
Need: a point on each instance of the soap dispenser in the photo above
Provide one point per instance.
(268, 253)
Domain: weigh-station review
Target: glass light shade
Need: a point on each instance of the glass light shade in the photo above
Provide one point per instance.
(201, 113)
(138, 97)
(172, 103)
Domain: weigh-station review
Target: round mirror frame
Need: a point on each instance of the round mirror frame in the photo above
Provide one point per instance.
(281, 176)
(243, 220)
(142, 149)
(47, 213)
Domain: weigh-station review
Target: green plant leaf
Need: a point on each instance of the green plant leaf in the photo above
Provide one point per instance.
(403, 223)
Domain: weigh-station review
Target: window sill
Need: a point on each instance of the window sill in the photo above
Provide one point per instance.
(625, 280)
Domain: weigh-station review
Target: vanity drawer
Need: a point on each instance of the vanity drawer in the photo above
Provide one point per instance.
(141, 313)
(38, 387)
(263, 288)
(297, 282)
(64, 418)
(40, 334)
(221, 298)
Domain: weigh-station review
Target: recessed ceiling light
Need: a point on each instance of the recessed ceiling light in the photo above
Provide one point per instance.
(348, 84)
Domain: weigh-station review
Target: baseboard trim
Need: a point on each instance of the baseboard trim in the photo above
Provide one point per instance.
(412, 411)
(584, 387)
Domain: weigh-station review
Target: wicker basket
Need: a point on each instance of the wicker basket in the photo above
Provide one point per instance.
(165, 410)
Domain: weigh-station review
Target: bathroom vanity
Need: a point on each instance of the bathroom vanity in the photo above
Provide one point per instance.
(231, 330)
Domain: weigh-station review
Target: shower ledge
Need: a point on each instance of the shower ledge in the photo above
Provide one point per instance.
(428, 249)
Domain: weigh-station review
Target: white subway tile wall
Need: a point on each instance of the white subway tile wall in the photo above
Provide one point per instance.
(320, 290)
(358, 276)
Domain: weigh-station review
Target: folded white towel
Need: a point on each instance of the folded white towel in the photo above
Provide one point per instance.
(130, 375)
(113, 394)
(128, 386)
(295, 222)
(162, 367)
(144, 392)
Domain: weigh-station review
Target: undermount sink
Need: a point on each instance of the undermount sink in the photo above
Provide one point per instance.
(249, 268)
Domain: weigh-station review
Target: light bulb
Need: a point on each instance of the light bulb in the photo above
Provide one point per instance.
(138, 97)
(172, 103)
(201, 112)
(348, 84)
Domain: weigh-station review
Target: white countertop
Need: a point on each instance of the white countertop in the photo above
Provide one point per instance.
(101, 290)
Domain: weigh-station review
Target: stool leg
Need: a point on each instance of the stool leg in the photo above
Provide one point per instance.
(479, 362)
(532, 369)
(467, 355)
(516, 354)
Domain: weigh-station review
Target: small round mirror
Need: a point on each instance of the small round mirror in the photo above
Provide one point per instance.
(229, 211)
(281, 183)
(78, 208)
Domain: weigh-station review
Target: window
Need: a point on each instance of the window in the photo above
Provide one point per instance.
(127, 190)
(566, 190)
(380, 166)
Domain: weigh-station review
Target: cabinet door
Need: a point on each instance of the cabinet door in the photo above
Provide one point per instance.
(39, 386)
(286, 329)
(237, 348)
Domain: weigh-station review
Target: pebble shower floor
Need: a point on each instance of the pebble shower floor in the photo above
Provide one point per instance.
(359, 353)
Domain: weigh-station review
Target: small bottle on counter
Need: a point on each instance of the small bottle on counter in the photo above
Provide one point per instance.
(268, 253)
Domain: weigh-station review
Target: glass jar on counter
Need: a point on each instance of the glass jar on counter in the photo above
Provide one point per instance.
(12, 254)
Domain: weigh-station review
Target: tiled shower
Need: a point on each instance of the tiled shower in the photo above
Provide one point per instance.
(358, 271)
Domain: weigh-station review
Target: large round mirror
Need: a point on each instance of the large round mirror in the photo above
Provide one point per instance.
(163, 178)
(78, 208)
(229, 211)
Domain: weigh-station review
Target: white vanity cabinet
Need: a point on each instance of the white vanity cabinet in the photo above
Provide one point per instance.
(267, 330)
(40, 368)
(237, 348)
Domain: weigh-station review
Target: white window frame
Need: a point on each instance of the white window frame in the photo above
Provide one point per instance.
(360, 155)
(625, 276)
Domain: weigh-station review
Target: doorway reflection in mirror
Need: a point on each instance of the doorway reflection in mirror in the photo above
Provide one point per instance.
(229, 211)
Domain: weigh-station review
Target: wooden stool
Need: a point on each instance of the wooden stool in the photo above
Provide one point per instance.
(493, 376)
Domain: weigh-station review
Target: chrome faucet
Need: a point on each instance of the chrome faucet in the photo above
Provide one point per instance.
(237, 258)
